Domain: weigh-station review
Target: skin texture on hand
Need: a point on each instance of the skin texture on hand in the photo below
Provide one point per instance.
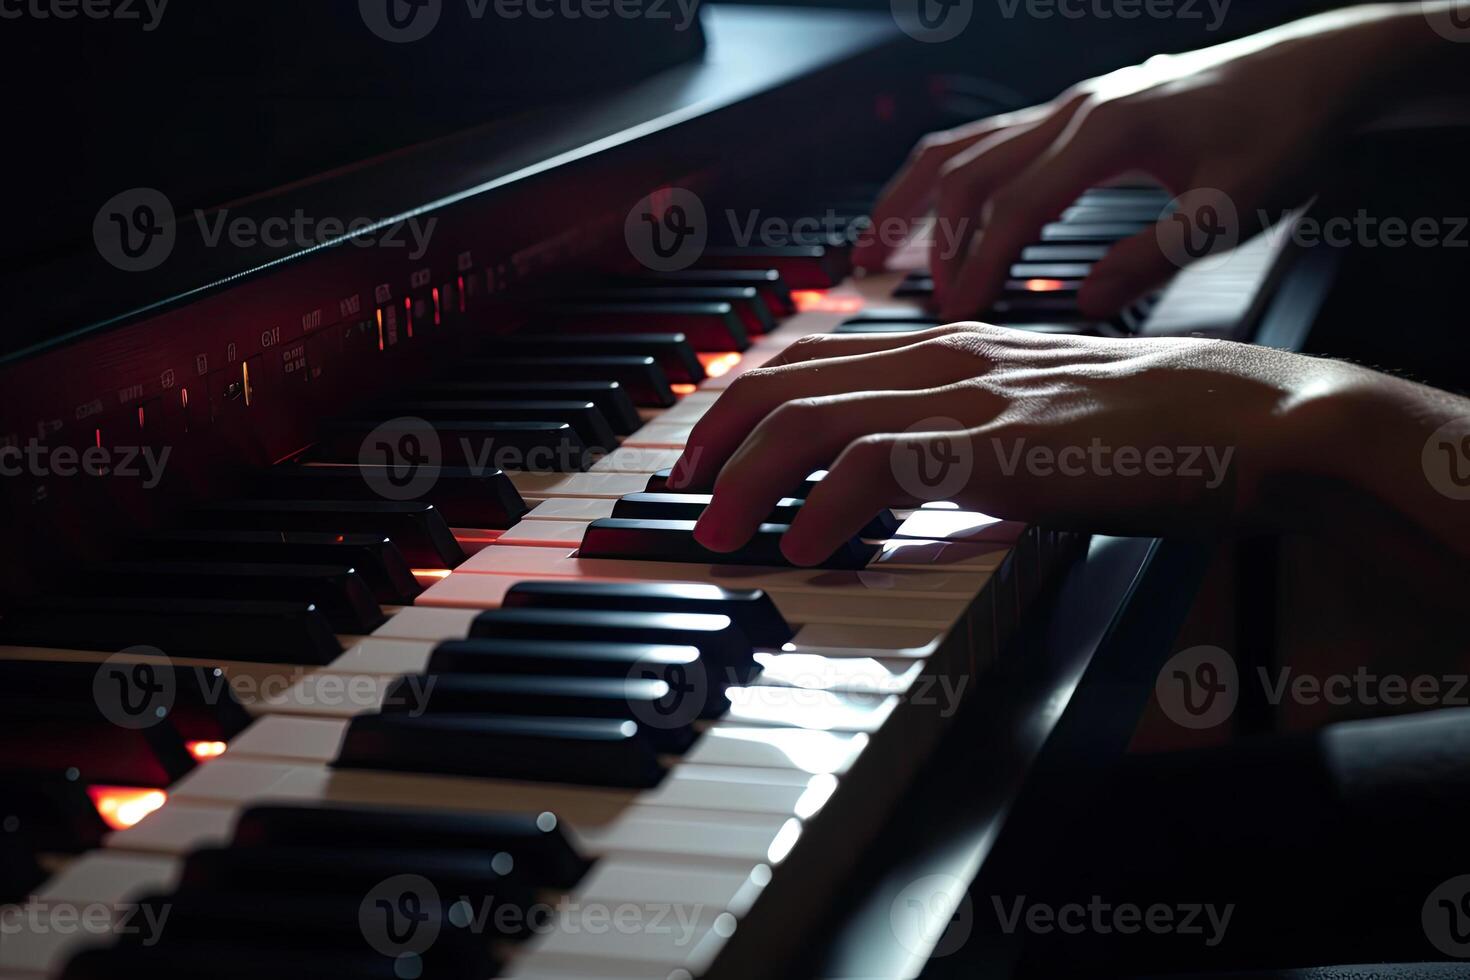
(1253, 120)
(1128, 436)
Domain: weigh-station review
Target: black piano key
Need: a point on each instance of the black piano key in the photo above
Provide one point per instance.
(583, 416)
(246, 958)
(1123, 195)
(751, 609)
(1106, 213)
(1064, 253)
(591, 751)
(665, 662)
(745, 300)
(1114, 231)
(536, 842)
(201, 921)
(767, 282)
(610, 397)
(689, 507)
(672, 350)
(218, 629)
(540, 446)
(723, 646)
(418, 529)
(338, 591)
(658, 482)
(803, 266)
(645, 540)
(633, 698)
(48, 812)
(1039, 307)
(379, 562)
(86, 740)
(20, 868)
(915, 284)
(644, 379)
(200, 704)
(304, 870)
(466, 496)
(1051, 270)
(707, 326)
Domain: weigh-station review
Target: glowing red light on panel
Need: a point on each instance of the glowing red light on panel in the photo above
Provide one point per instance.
(821, 301)
(204, 750)
(720, 364)
(683, 388)
(1044, 285)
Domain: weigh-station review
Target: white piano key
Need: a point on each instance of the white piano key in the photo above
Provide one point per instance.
(422, 623)
(631, 459)
(545, 534)
(571, 509)
(599, 485)
(661, 435)
(856, 675)
(586, 934)
(504, 559)
(960, 525)
(938, 555)
(841, 640)
(806, 750)
(381, 656)
(111, 878)
(793, 707)
(177, 828)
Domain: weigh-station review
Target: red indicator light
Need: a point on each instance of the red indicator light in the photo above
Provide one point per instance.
(380, 329)
(719, 365)
(202, 750)
(683, 389)
(431, 573)
(408, 314)
(140, 417)
(460, 292)
(97, 437)
(820, 301)
(120, 807)
(436, 306)
(1043, 285)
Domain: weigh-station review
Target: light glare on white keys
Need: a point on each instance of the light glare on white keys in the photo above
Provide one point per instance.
(571, 509)
(960, 525)
(796, 707)
(797, 748)
(859, 675)
(545, 534)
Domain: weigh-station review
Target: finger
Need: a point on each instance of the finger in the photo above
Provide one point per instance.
(824, 345)
(1131, 268)
(757, 393)
(809, 434)
(909, 195)
(967, 181)
(1073, 163)
(1207, 221)
(859, 484)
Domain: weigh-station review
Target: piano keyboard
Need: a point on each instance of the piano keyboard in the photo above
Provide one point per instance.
(517, 723)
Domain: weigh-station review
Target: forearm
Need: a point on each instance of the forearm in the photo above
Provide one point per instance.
(1403, 444)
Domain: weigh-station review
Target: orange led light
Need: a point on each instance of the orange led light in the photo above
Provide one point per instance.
(683, 389)
(820, 301)
(1044, 285)
(380, 328)
(120, 807)
(436, 306)
(719, 365)
(431, 572)
(408, 314)
(202, 750)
